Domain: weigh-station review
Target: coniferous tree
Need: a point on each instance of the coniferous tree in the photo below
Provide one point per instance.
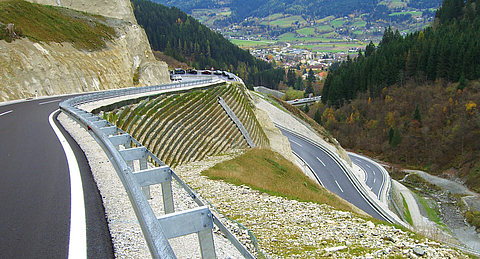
(396, 138)
(416, 115)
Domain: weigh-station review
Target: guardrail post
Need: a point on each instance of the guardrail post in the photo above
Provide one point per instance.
(197, 220)
(167, 196)
(205, 237)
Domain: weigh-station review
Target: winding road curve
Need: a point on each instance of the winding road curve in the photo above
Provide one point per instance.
(329, 173)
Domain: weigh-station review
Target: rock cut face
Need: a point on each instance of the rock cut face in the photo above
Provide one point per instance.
(119, 9)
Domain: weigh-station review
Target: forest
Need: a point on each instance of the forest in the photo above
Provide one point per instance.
(180, 36)
(413, 100)
(448, 51)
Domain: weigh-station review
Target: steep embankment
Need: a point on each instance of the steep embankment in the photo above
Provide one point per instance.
(70, 61)
(185, 127)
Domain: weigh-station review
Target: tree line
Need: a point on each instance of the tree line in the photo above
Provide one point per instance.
(179, 35)
(449, 50)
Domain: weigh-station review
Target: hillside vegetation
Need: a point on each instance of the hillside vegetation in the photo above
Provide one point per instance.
(448, 51)
(186, 127)
(413, 100)
(54, 24)
(269, 172)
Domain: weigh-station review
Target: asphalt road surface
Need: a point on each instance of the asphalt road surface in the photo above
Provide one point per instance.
(329, 173)
(373, 177)
(35, 187)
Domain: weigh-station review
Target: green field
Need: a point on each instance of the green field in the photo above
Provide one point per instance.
(291, 38)
(307, 31)
(394, 3)
(274, 16)
(324, 28)
(360, 23)
(326, 19)
(330, 47)
(337, 23)
(286, 22)
(250, 43)
(413, 13)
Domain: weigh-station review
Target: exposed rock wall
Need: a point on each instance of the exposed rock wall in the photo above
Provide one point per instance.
(119, 9)
(50, 68)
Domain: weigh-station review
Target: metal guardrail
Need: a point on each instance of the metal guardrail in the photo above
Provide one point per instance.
(305, 100)
(237, 122)
(351, 177)
(136, 181)
(386, 189)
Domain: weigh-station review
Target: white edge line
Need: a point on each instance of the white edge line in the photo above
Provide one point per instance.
(338, 186)
(52, 101)
(309, 167)
(77, 247)
(5, 113)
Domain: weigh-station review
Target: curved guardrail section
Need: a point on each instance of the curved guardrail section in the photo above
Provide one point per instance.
(129, 159)
(386, 189)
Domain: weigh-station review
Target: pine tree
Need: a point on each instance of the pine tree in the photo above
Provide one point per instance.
(462, 83)
(396, 138)
(390, 135)
(416, 115)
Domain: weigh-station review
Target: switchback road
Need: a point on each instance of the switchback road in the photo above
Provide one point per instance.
(329, 173)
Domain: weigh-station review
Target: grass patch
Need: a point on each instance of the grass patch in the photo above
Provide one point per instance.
(413, 13)
(337, 23)
(57, 24)
(408, 216)
(306, 31)
(360, 23)
(324, 28)
(432, 210)
(267, 171)
(274, 16)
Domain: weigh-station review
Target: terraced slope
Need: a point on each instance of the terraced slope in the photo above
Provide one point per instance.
(183, 127)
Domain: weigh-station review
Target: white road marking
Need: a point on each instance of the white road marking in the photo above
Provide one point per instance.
(368, 166)
(77, 247)
(295, 143)
(5, 113)
(321, 162)
(338, 186)
(52, 101)
(374, 180)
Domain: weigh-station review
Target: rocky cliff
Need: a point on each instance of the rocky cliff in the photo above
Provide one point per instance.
(49, 68)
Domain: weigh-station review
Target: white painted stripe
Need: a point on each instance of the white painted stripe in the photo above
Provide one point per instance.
(5, 113)
(295, 143)
(321, 162)
(374, 180)
(77, 247)
(53, 101)
(368, 166)
(338, 186)
(373, 172)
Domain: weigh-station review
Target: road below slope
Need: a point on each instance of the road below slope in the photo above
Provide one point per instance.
(374, 178)
(35, 187)
(329, 173)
